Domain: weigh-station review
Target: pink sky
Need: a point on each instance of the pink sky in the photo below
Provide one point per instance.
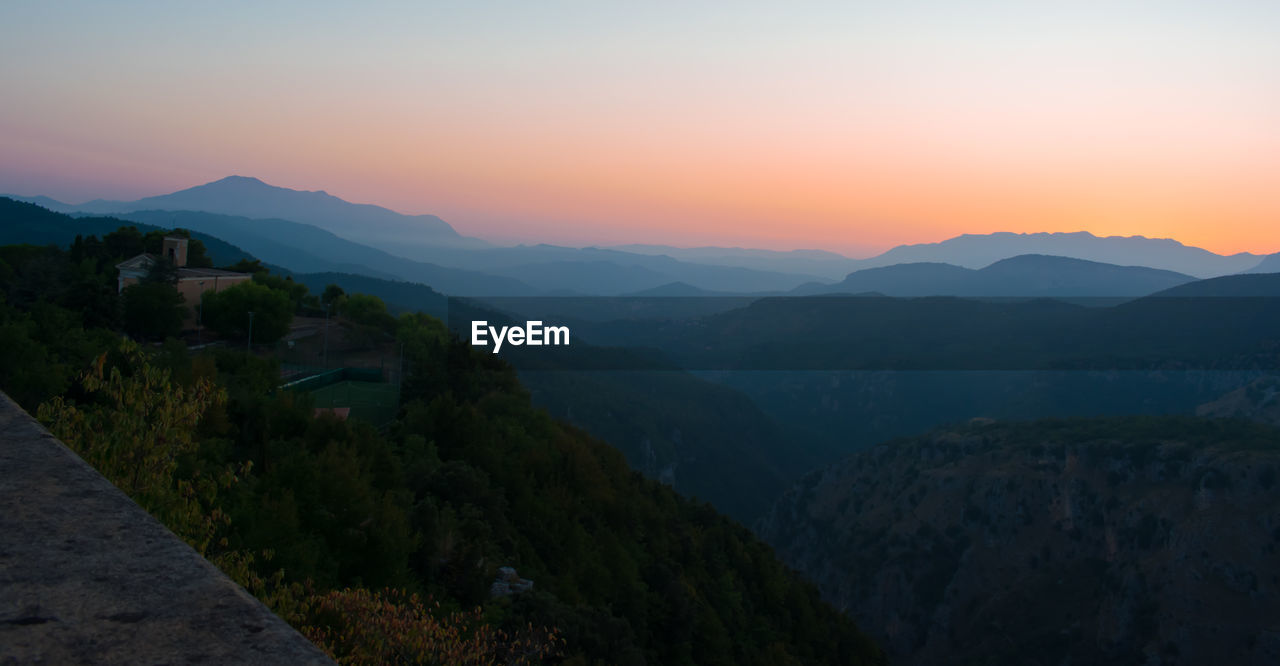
(827, 126)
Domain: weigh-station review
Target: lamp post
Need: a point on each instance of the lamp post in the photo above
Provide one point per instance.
(325, 360)
(200, 317)
(249, 347)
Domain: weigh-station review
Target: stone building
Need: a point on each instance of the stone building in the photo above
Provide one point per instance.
(192, 282)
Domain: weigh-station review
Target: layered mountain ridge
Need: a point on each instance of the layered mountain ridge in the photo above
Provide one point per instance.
(429, 239)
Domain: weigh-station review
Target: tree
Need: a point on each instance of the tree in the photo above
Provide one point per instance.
(124, 243)
(197, 255)
(359, 626)
(227, 312)
(153, 310)
(333, 296)
(371, 323)
(367, 310)
(136, 433)
(296, 291)
(251, 266)
(163, 271)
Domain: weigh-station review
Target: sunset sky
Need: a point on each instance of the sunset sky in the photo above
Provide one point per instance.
(849, 126)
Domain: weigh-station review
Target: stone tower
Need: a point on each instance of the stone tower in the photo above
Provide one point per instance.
(175, 250)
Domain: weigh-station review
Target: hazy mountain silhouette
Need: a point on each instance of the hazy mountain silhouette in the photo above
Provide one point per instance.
(978, 250)
(430, 239)
(821, 263)
(678, 290)
(23, 223)
(308, 249)
(1262, 285)
(918, 279)
(399, 296)
(250, 197)
(1022, 276)
(1270, 264)
(950, 333)
(426, 238)
(584, 270)
(298, 248)
(584, 277)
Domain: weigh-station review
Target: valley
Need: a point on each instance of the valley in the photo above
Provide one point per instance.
(883, 434)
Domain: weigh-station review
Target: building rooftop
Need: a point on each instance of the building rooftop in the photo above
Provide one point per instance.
(187, 272)
(146, 259)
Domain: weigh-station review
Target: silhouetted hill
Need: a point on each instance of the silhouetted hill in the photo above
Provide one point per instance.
(27, 223)
(584, 277)
(920, 279)
(677, 289)
(824, 264)
(1263, 285)
(978, 250)
(398, 295)
(250, 197)
(1029, 275)
(603, 271)
(1076, 541)
(428, 239)
(948, 333)
(1270, 264)
(307, 249)
(1042, 275)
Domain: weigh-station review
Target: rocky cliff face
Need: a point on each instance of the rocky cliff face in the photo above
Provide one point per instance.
(1137, 540)
(1259, 401)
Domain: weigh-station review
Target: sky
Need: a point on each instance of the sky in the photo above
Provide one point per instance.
(849, 126)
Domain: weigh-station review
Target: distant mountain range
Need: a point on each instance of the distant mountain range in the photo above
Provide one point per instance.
(249, 197)
(604, 271)
(1031, 275)
(1265, 285)
(1271, 264)
(428, 241)
(824, 264)
(308, 249)
(1225, 323)
(24, 224)
(254, 206)
(978, 250)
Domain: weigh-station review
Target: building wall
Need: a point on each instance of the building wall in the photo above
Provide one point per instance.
(192, 288)
(129, 277)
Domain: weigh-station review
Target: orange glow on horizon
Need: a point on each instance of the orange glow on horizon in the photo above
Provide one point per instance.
(846, 129)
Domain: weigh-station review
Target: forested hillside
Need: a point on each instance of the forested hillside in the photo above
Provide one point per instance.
(336, 524)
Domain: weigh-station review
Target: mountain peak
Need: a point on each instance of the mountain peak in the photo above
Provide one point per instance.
(251, 197)
(238, 181)
(252, 184)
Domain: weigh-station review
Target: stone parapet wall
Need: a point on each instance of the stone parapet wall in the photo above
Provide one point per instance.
(87, 576)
